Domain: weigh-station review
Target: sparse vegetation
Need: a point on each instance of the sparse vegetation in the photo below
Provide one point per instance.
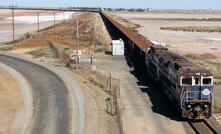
(195, 19)
(100, 49)
(45, 51)
(195, 28)
(9, 47)
(201, 56)
(124, 22)
(6, 48)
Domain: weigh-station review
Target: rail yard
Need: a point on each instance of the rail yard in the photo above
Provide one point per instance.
(152, 88)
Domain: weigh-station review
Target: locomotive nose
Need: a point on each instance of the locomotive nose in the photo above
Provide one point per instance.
(197, 111)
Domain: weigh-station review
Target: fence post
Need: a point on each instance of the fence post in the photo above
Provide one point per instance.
(110, 83)
(13, 23)
(118, 93)
(38, 21)
(63, 17)
(54, 19)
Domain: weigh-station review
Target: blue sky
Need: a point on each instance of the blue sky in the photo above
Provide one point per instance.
(156, 4)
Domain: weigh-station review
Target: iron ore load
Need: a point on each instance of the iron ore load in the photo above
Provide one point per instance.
(188, 86)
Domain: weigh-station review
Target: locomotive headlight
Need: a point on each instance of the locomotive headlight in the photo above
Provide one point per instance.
(189, 106)
(205, 106)
(206, 92)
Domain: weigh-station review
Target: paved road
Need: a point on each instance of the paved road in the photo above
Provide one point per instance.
(52, 103)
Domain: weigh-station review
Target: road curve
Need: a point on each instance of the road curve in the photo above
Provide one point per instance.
(57, 100)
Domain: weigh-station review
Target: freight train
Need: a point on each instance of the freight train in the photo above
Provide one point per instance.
(188, 86)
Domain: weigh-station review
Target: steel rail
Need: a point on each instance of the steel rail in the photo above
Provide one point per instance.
(210, 126)
(198, 127)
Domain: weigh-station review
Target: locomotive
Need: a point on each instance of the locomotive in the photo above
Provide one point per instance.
(188, 86)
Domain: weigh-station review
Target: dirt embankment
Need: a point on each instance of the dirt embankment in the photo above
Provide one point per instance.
(92, 35)
(11, 101)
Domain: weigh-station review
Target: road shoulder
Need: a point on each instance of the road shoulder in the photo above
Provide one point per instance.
(16, 101)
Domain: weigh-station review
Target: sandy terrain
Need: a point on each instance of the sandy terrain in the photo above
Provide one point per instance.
(23, 13)
(178, 41)
(11, 101)
(169, 14)
(28, 24)
(97, 119)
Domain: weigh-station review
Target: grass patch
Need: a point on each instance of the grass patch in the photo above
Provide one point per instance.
(42, 52)
(87, 44)
(10, 47)
(6, 48)
(97, 47)
(194, 29)
(100, 49)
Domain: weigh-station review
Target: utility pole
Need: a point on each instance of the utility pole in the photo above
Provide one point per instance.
(63, 16)
(77, 47)
(54, 19)
(13, 23)
(38, 21)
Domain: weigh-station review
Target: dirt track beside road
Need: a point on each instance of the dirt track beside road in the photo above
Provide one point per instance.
(11, 101)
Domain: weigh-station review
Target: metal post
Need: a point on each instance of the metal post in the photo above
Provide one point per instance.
(13, 23)
(119, 89)
(38, 22)
(54, 19)
(111, 95)
(77, 47)
(63, 16)
(110, 84)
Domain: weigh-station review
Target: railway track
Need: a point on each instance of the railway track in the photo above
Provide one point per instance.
(202, 127)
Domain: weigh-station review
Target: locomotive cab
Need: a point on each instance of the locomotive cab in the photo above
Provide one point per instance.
(188, 86)
(196, 96)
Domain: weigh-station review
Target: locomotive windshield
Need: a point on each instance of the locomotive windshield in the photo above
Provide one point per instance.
(197, 81)
(186, 81)
(207, 81)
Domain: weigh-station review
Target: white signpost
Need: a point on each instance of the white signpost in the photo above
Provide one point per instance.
(117, 47)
